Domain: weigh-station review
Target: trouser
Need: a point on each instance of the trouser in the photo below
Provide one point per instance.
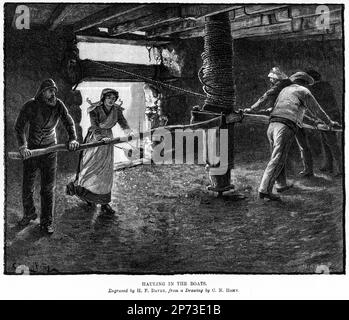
(280, 137)
(302, 141)
(331, 151)
(47, 165)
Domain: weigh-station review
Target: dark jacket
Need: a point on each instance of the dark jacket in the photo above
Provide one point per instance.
(42, 120)
(269, 97)
(323, 93)
(99, 114)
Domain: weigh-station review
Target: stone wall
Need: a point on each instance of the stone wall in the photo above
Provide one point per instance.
(30, 57)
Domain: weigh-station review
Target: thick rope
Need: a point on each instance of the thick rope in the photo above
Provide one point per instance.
(216, 99)
(151, 81)
(211, 98)
(216, 74)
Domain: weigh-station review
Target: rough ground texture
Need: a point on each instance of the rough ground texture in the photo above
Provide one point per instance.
(166, 222)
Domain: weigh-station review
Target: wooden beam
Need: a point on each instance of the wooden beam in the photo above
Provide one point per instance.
(194, 33)
(301, 26)
(172, 14)
(246, 22)
(110, 78)
(297, 11)
(278, 28)
(92, 70)
(136, 42)
(117, 13)
(177, 27)
(283, 15)
(156, 18)
(258, 9)
(250, 10)
(318, 32)
(200, 11)
(58, 15)
(334, 33)
(304, 18)
(263, 21)
(311, 21)
(285, 31)
(276, 16)
(182, 28)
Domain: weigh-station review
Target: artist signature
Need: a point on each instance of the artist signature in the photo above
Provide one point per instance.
(36, 268)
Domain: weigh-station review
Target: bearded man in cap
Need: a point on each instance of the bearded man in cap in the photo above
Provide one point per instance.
(285, 121)
(42, 114)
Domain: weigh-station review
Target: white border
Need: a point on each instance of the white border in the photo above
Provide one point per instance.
(88, 287)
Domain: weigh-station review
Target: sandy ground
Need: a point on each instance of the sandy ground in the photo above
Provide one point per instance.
(168, 223)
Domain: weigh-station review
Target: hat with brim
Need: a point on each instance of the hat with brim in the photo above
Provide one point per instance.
(303, 77)
(314, 74)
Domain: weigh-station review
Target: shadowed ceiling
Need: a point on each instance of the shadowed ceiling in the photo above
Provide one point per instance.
(143, 23)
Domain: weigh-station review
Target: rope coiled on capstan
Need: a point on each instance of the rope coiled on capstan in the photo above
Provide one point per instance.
(216, 73)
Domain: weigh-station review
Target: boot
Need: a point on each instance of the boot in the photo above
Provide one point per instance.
(284, 188)
(26, 219)
(47, 228)
(106, 208)
(90, 204)
(269, 196)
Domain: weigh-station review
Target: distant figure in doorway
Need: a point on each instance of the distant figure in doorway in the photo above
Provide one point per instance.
(324, 94)
(279, 81)
(94, 178)
(285, 121)
(42, 114)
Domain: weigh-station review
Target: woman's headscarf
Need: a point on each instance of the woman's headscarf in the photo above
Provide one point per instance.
(103, 94)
